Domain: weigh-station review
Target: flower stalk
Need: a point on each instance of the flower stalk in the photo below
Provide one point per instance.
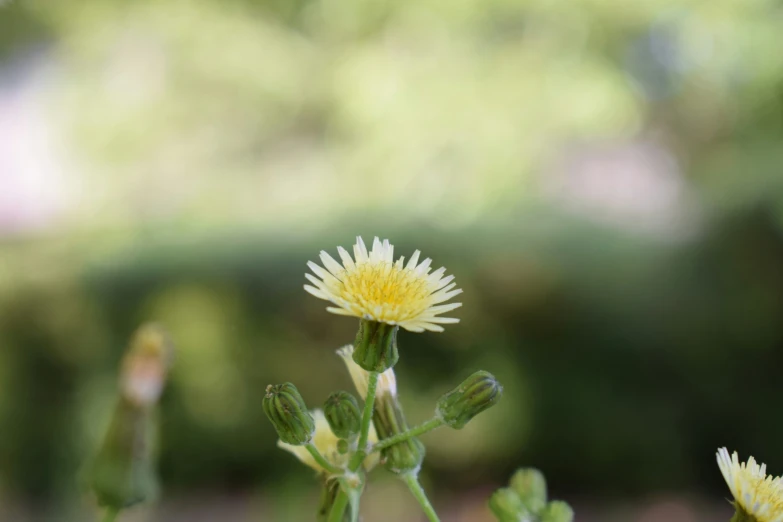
(338, 508)
(321, 460)
(421, 429)
(412, 481)
(367, 414)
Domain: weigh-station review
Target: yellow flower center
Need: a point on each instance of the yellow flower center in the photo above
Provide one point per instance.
(399, 292)
(765, 490)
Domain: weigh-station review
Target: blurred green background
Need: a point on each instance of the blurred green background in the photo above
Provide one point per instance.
(603, 179)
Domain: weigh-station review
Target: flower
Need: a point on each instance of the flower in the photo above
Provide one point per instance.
(326, 443)
(756, 493)
(375, 287)
(387, 381)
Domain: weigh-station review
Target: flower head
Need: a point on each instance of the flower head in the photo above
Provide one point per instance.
(375, 287)
(326, 443)
(755, 493)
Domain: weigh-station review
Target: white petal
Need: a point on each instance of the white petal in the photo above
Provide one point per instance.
(360, 250)
(413, 260)
(424, 267)
(443, 320)
(443, 282)
(432, 327)
(412, 327)
(445, 297)
(434, 310)
(327, 278)
(346, 258)
(388, 251)
(319, 294)
(436, 275)
(376, 254)
(339, 311)
(331, 265)
(317, 283)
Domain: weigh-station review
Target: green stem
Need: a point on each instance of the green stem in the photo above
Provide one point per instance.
(111, 514)
(364, 434)
(338, 508)
(413, 484)
(321, 460)
(353, 504)
(421, 429)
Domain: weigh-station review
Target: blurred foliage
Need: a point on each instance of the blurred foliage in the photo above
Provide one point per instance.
(213, 147)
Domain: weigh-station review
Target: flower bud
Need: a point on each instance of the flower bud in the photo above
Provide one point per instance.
(287, 411)
(530, 485)
(388, 418)
(375, 347)
(404, 457)
(122, 473)
(145, 366)
(557, 511)
(477, 393)
(343, 414)
(508, 507)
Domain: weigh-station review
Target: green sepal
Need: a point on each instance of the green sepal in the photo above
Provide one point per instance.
(740, 515)
(288, 413)
(375, 347)
(475, 394)
(122, 473)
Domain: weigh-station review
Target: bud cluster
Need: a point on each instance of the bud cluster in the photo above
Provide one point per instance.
(525, 499)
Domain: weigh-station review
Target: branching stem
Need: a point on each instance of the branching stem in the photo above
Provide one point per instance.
(321, 460)
(425, 427)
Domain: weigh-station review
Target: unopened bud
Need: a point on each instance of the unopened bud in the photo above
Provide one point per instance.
(146, 365)
(477, 393)
(343, 447)
(557, 511)
(287, 411)
(403, 457)
(123, 471)
(530, 485)
(342, 412)
(375, 347)
(508, 507)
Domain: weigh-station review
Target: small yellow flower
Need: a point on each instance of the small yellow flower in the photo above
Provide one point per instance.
(387, 381)
(756, 493)
(375, 287)
(326, 443)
